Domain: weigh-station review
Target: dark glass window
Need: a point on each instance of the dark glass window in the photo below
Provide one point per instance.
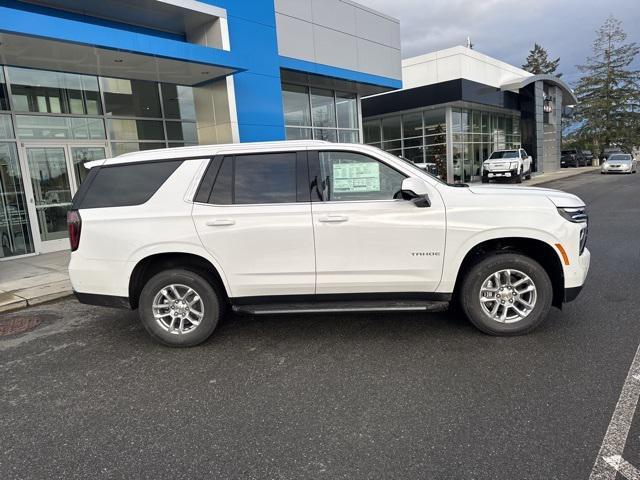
(124, 185)
(269, 178)
(130, 98)
(178, 101)
(182, 131)
(4, 103)
(223, 188)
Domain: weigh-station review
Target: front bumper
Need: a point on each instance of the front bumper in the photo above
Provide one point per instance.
(500, 174)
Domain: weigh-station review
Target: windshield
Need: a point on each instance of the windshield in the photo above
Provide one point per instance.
(618, 157)
(504, 154)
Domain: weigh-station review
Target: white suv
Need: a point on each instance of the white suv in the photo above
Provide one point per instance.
(508, 164)
(182, 234)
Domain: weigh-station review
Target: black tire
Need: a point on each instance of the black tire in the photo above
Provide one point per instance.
(470, 293)
(518, 178)
(485, 179)
(211, 300)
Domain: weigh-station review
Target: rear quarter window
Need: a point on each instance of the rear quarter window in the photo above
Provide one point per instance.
(123, 185)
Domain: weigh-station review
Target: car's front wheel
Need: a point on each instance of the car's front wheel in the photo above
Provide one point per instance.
(179, 308)
(506, 294)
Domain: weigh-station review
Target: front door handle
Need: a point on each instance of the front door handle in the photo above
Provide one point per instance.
(333, 218)
(220, 222)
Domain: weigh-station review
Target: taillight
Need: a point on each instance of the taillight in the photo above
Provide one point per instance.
(74, 222)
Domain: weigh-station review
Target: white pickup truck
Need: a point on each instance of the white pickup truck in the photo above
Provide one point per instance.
(510, 164)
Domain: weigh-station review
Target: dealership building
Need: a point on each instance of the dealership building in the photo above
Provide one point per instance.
(81, 81)
(458, 105)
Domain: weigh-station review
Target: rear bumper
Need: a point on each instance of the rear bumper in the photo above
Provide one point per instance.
(103, 300)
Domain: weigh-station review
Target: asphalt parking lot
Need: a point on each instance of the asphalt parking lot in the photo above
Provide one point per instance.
(87, 394)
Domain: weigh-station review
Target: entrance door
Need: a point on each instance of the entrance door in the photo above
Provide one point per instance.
(55, 171)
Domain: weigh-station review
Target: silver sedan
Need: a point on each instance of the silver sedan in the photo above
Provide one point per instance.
(619, 163)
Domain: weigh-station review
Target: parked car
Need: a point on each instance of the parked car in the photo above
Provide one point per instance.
(573, 158)
(507, 164)
(183, 234)
(619, 163)
(588, 155)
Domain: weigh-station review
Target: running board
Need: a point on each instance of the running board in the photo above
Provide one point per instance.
(343, 306)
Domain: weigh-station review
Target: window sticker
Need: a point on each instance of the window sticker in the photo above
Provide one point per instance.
(356, 177)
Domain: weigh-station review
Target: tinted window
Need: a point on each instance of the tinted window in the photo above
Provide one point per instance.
(352, 176)
(267, 178)
(620, 156)
(124, 185)
(504, 154)
(222, 190)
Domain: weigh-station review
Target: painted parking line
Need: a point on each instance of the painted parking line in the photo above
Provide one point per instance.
(610, 461)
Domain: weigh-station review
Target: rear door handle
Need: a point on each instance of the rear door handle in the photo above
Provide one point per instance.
(333, 218)
(220, 222)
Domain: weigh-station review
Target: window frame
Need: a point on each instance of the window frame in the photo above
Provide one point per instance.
(314, 172)
(208, 181)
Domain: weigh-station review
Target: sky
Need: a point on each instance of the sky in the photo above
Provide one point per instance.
(507, 29)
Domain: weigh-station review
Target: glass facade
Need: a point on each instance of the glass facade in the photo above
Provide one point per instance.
(320, 114)
(52, 123)
(423, 136)
(419, 136)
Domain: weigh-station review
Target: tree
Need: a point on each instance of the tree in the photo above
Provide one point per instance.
(538, 62)
(609, 91)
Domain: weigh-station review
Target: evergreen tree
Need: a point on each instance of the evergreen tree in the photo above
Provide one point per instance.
(609, 91)
(538, 62)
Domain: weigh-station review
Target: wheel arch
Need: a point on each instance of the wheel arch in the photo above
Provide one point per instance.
(148, 266)
(539, 250)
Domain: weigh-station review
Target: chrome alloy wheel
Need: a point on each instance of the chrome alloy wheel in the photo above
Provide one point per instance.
(178, 309)
(508, 296)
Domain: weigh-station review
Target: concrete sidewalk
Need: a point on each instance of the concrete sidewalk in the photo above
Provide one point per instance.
(41, 278)
(559, 175)
(32, 280)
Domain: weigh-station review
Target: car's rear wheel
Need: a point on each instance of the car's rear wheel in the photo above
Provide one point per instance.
(179, 308)
(506, 294)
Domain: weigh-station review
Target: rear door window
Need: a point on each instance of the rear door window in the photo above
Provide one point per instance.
(261, 179)
(123, 185)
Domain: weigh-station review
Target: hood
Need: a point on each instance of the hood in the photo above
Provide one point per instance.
(559, 198)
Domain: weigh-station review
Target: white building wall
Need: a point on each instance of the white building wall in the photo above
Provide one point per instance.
(339, 33)
(454, 63)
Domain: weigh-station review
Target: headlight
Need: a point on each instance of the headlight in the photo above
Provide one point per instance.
(574, 214)
(514, 165)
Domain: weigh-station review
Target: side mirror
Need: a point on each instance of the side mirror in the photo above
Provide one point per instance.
(416, 191)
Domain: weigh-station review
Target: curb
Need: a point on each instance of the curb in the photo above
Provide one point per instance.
(12, 301)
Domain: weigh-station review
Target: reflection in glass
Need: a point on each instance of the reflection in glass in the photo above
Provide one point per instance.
(82, 155)
(51, 190)
(120, 148)
(182, 131)
(328, 135)
(347, 109)
(4, 102)
(294, 133)
(178, 101)
(130, 98)
(15, 232)
(323, 108)
(297, 111)
(6, 129)
(348, 136)
(371, 130)
(412, 125)
(54, 92)
(42, 127)
(133, 130)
